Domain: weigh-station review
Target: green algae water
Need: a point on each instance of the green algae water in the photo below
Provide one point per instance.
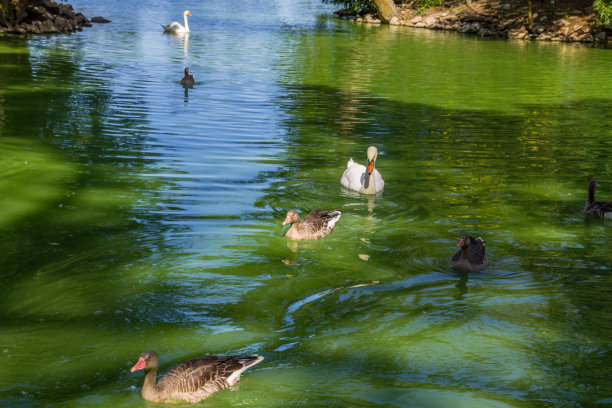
(139, 215)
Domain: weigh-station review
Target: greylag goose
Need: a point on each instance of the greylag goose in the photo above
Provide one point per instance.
(315, 225)
(192, 380)
(471, 257)
(175, 27)
(366, 180)
(187, 79)
(600, 209)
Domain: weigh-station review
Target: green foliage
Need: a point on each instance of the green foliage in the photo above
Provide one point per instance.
(357, 5)
(423, 4)
(604, 11)
(368, 5)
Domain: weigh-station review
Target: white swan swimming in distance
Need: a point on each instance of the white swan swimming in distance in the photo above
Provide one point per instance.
(366, 180)
(175, 27)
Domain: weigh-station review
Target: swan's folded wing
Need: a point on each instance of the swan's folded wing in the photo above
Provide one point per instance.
(353, 177)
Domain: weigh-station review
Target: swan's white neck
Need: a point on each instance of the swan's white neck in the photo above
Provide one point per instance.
(369, 186)
(186, 23)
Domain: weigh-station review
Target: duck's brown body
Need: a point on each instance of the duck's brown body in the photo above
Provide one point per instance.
(599, 209)
(187, 79)
(192, 380)
(471, 257)
(315, 225)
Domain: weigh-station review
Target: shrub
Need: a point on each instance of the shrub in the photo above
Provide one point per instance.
(368, 5)
(604, 11)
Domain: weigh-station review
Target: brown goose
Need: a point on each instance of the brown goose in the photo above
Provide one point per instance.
(315, 225)
(187, 79)
(192, 380)
(471, 257)
(600, 209)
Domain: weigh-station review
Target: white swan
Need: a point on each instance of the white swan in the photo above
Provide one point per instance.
(175, 27)
(359, 178)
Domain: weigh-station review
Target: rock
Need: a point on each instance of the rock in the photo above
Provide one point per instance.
(47, 27)
(368, 18)
(513, 33)
(420, 25)
(430, 21)
(50, 5)
(99, 19)
(486, 33)
(415, 20)
(505, 6)
(602, 36)
(473, 28)
(538, 28)
(394, 21)
(66, 10)
(574, 37)
(544, 37)
(342, 12)
(81, 19)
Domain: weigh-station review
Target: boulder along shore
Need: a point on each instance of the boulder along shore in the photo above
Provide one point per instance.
(569, 21)
(45, 17)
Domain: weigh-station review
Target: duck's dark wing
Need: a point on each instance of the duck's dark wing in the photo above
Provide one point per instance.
(188, 80)
(455, 258)
(476, 255)
(599, 208)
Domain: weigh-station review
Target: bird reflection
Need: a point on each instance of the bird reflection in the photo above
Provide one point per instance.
(360, 199)
(462, 285)
(294, 247)
(186, 44)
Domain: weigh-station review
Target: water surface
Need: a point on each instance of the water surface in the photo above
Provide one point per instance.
(137, 214)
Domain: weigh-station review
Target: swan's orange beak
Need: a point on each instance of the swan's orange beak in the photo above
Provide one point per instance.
(189, 14)
(370, 167)
(287, 220)
(139, 365)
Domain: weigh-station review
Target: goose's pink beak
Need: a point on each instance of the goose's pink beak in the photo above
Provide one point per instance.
(139, 365)
(460, 243)
(287, 220)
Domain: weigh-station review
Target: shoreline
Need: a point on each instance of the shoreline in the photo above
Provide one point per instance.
(501, 19)
(47, 17)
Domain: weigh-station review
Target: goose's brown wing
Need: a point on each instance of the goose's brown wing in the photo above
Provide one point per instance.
(196, 379)
(188, 376)
(316, 225)
(313, 221)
